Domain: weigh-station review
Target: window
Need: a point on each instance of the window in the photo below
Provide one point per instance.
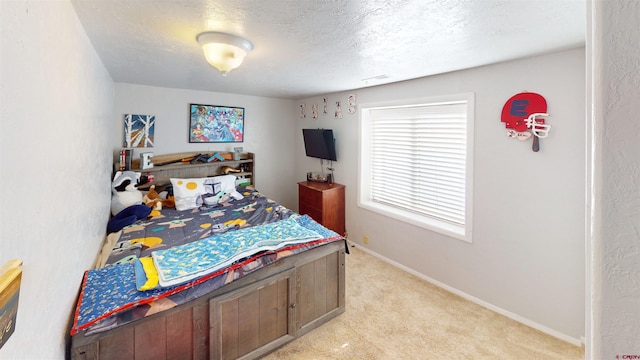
(416, 163)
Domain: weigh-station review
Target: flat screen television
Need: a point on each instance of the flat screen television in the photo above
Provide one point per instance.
(319, 143)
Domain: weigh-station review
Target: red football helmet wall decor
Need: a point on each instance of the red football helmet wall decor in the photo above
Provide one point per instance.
(522, 116)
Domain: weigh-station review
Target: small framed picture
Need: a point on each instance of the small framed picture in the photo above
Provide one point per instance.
(215, 124)
(138, 131)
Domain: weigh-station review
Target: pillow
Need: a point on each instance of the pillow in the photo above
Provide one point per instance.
(189, 193)
(227, 182)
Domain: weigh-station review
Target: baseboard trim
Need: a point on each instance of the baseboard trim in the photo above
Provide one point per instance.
(513, 316)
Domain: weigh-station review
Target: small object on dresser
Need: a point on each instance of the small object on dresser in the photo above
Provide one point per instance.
(317, 177)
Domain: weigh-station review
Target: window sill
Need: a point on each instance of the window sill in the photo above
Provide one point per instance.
(442, 227)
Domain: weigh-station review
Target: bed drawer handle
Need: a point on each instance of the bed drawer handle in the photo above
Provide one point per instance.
(293, 306)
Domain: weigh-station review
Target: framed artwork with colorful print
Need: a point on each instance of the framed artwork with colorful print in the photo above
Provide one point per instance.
(215, 124)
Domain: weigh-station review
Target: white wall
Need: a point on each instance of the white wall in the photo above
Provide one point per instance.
(269, 130)
(527, 255)
(55, 149)
(614, 84)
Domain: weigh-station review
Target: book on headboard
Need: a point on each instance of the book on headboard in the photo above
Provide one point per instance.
(10, 277)
(125, 159)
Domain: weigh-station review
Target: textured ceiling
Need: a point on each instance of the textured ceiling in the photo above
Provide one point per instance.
(310, 47)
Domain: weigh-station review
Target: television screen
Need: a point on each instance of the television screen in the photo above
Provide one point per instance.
(319, 143)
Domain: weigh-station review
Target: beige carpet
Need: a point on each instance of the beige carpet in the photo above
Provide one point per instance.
(394, 315)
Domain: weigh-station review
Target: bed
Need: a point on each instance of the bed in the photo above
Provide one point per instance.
(232, 278)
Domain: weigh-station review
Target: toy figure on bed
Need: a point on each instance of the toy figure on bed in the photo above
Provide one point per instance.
(153, 200)
(126, 201)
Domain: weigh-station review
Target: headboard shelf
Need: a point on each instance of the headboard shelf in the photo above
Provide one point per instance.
(163, 173)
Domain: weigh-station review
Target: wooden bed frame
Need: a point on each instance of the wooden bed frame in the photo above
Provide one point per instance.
(245, 319)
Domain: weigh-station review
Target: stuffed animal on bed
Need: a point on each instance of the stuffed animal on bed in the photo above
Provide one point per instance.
(127, 217)
(124, 191)
(153, 200)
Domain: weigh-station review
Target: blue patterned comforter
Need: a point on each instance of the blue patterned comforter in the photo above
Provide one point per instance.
(184, 263)
(195, 253)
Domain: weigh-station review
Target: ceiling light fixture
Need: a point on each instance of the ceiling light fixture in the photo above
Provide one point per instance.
(224, 51)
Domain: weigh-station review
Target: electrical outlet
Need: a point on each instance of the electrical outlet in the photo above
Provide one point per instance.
(365, 239)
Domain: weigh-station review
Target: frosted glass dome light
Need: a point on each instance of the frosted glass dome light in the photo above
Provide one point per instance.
(224, 51)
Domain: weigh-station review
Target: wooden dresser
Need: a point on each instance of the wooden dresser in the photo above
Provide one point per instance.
(324, 202)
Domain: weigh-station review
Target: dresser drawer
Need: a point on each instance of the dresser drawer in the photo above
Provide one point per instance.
(315, 213)
(310, 197)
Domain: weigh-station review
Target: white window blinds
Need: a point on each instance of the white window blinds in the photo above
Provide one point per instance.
(418, 159)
